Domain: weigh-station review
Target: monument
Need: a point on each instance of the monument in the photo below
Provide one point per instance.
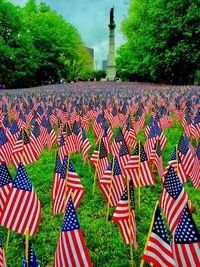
(111, 66)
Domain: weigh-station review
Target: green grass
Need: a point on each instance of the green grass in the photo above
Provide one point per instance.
(103, 239)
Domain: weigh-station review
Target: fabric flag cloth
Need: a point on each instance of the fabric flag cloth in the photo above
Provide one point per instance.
(71, 248)
(5, 148)
(62, 147)
(112, 184)
(123, 155)
(51, 135)
(173, 199)
(5, 185)
(22, 208)
(23, 148)
(32, 260)
(85, 145)
(178, 167)
(77, 136)
(117, 142)
(158, 250)
(195, 174)
(56, 176)
(35, 139)
(186, 155)
(156, 158)
(124, 216)
(138, 170)
(186, 241)
(2, 254)
(102, 163)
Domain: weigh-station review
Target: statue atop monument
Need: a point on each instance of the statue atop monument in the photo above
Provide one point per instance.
(112, 16)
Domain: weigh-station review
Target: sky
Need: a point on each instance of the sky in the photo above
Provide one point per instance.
(91, 19)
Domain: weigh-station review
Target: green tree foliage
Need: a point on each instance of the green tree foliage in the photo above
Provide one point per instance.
(163, 40)
(37, 46)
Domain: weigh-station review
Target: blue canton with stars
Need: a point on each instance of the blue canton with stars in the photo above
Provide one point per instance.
(21, 180)
(102, 152)
(125, 195)
(32, 260)
(5, 177)
(70, 221)
(3, 138)
(182, 146)
(172, 183)
(84, 137)
(198, 151)
(64, 168)
(159, 226)
(186, 231)
(58, 166)
(14, 128)
(173, 156)
(1, 243)
(62, 140)
(117, 169)
(123, 150)
(36, 130)
(119, 136)
(143, 156)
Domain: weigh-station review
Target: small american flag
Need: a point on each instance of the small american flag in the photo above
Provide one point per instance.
(158, 250)
(22, 208)
(186, 155)
(85, 146)
(125, 218)
(186, 241)
(5, 184)
(117, 142)
(195, 174)
(5, 148)
(173, 199)
(71, 249)
(56, 177)
(2, 254)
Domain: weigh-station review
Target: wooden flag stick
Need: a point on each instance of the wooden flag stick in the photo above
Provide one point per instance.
(129, 222)
(95, 175)
(66, 182)
(155, 154)
(110, 189)
(22, 157)
(177, 158)
(150, 230)
(7, 240)
(139, 177)
(26, 244)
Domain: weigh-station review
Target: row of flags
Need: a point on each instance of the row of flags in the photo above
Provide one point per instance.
(66, 123)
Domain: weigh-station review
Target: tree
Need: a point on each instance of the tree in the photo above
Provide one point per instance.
(163, 40)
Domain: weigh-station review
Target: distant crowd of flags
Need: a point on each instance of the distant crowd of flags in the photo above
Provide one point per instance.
(64, 116)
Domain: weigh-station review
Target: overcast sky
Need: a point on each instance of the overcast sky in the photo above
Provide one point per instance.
(91, 18)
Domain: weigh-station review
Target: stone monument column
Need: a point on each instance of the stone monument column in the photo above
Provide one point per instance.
(111, 66)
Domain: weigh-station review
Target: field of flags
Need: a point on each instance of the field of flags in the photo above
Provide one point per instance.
(100, 174)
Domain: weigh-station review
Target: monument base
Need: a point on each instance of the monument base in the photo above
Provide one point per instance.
(110, 73)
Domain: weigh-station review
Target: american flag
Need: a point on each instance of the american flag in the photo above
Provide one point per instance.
(117, 143)
(178, 167)
(140, 172)
(77, 136)
(5, 148)
(69, 140)
(43, 130)
(35, 139)
(186, 241)
(130, 135)
(2, 254)
(85, 122)
(62, 147)
(23, 149)
(5, 184)
(158, 251)
(112, 184)
(173, 199)
(95, 156)
(186, 155)
(156, 158)
(13, 133)
(195, 174)
(22, 208)
(114, 118)
(124, 216)
(32, 260)
(85, 146)
(123, 155)
(102, 163)
(56, 177)
(51, 135)
(71, 248)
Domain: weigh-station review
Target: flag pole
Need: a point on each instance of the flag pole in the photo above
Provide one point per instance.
(150, 230)
(139, 177)
(95, 175)
(7, 240)
(129, 222)
(26, 244)
(155, 154)
(112, 174)
(66, 182)
(177, 158)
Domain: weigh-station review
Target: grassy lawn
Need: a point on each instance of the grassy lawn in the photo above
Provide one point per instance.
(103, 239)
